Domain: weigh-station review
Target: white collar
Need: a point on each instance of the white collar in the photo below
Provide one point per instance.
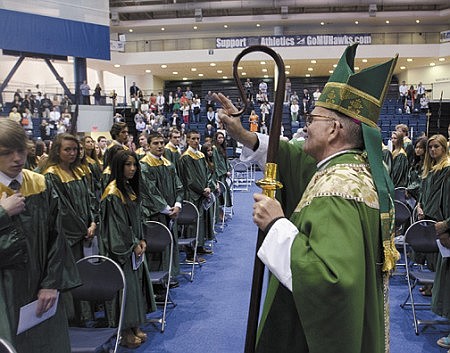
(324, 162)
(6, 180)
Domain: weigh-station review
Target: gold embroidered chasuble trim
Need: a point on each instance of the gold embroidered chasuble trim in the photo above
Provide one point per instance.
(349, 181)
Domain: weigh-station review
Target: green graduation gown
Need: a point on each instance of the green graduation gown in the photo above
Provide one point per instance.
(399, 171)
(337, 302)
(120, 232)
(194, 175)
(432, 200)
(222, 168)
(172, 154)
(76, 211)
(440, 303)
(161, 187)
(38, 264)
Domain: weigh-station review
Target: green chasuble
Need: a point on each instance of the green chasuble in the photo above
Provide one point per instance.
(399, 171)
(194, 175)
(161, 187)
(337, 302)
(38, 263)
(440, 303)
(120, 232)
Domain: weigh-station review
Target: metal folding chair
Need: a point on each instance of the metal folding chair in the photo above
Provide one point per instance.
(420, 237)
(6, 347)
(103, 280)
(159, 239)
(188, 216)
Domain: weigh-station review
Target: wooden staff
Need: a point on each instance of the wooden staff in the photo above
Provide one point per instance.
(268, 184)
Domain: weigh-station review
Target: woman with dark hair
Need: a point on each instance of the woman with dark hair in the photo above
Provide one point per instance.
(106, 174)
(400, 165)
(207, 150)
(121, 240)
(416, 169)
(93, 163)
(222, 164)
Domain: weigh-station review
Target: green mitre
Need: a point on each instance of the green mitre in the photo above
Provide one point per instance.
(358, 95)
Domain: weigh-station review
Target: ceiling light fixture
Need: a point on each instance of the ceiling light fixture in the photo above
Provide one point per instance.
(364, 60)
(224, 77)
(441, 59)
(432, 64)
(163, 66)
(195, 27)
(225, 26)
(409, 60)
(266, 76)
(417, 21)
(264, 70)
(356, 68)
(148, 71)
(200, 75)
(287, 72)
(288, 66)
(184, 78)
(330, 71)
(175, 72)
(193, 69)
(219, 71)
(116, 65)
(163, 29)
(130, 30)
(387, 22)
(310, 69)
(308, 75)
(313, 61)
(356, 22)
(258, 25)
(402, 67)
(243, 73)
(212, 64)
(322, 23)
(263, 63)
(240, 67)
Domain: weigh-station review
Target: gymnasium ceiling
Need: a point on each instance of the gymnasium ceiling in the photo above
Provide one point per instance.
(141, 20)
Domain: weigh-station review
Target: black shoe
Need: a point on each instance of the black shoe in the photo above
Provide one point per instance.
(200, 260)
(204, 251)
(174, 283)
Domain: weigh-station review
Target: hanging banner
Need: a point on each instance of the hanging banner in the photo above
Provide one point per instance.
(445, 36)
(310, 40)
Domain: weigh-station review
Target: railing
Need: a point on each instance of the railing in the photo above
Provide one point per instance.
(168, 44)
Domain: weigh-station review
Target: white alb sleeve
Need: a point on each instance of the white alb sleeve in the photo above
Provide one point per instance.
(258, 156)
(275, 251)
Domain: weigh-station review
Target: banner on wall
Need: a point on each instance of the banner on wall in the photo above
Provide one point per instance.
(116, 45)
(445, 36)
(310, 40)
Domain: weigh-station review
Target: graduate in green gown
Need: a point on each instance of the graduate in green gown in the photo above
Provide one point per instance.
(119, 134)
(194, 175)
(121, 240)
(94, 164)
(416, 169)
(143, 145)
(433, 201)
(172, 148)
(32, 250)
(162, 193)
(400, 164)
(223, 165)
(329, 244)
(212, 212)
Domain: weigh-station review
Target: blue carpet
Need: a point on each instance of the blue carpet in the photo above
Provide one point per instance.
(211, 312)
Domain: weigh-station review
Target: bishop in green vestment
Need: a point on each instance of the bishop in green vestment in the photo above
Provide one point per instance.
(329, 243)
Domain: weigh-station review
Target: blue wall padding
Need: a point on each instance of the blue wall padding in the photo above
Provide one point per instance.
(49, 35)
